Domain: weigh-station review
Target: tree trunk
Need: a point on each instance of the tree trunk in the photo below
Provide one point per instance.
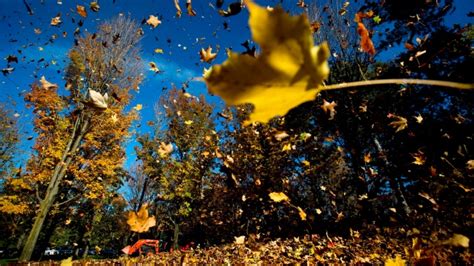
(176, 236)
(53, 187)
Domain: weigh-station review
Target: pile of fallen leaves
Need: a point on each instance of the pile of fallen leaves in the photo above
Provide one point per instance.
(384, 247)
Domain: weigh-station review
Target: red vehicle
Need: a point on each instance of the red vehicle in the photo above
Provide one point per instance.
(129, 250)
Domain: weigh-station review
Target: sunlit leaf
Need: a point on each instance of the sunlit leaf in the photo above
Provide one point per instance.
(46, 85)
(138, 107)
(207, 55)
(399, 123)
(98, 100)
(94, 6)
(302, 214)
(140, 222)
(288, 72)
(153, 21)
(458, 240)
(165, 149)
(278, 196)
(397, 261)
(239, 240)
(329, 107)
(366, 43)
(81, 10)
(56, 20)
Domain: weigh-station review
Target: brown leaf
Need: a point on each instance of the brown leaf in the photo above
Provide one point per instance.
(207, 55)
(365, 42)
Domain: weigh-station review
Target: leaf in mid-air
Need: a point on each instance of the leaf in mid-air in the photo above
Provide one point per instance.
(140, 222)
(278, 196)
(288, 72)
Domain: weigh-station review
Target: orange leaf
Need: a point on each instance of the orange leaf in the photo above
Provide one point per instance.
(81, 10)
(365, 41)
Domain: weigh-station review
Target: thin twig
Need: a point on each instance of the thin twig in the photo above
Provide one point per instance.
(450, 84)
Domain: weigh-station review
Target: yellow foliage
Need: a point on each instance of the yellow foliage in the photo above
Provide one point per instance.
(12, 205)
(397, 261)
(289, 71)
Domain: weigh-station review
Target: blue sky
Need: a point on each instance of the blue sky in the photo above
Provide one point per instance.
(180, 38)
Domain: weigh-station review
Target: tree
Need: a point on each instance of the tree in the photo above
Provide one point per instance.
(8, 140)
(179, 159)
(80, 135)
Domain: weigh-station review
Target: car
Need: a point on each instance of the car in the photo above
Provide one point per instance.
(51, 252)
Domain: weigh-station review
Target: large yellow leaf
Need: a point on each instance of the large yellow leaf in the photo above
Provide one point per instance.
(289, 71)
(140, 222)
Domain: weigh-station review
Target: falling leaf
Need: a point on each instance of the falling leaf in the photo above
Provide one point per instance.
(239, 240)
(288, 72)
(37, 31)
(365, 42)
(318, 211)
(367, 158)
(419, 118)
(98, 100)
(377, 19)
(305, 136)
(278, 196)
(94, 6)
(189, 8)
(286, 147)
(470, 165)
(427, 197)
(154, 68)
(419, 157)
(46, 85)
(56, 20)
(158, 50)
(153, 21)
(409, 46)
(207, 55)
(306, 163)
(165, 149)
(81, 10)
(397, 261)
(178, 8)
(138, 107)
(232, 10)
(281, 135)
(302, 214)
(329, 107)
(188, 122)
(301, 4)
(457, 240)
(140, 222)
(399, 124)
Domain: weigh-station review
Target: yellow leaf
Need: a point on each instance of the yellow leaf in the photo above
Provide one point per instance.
(94, 6)
(153, 21)
(165, 149)
(286, 147)
(397, 261)
(289, 71)
(239, 240)
(158, 50)
(458, 240)
(399, 124)
(207, 55)
(67, 262)
(302, 214)
(188, 122)
(278, 196)
(140, 222)
(138, 107)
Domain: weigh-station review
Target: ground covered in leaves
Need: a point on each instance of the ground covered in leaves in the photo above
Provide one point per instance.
(384, 247)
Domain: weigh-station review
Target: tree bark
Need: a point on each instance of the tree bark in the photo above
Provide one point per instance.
(53, 187)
